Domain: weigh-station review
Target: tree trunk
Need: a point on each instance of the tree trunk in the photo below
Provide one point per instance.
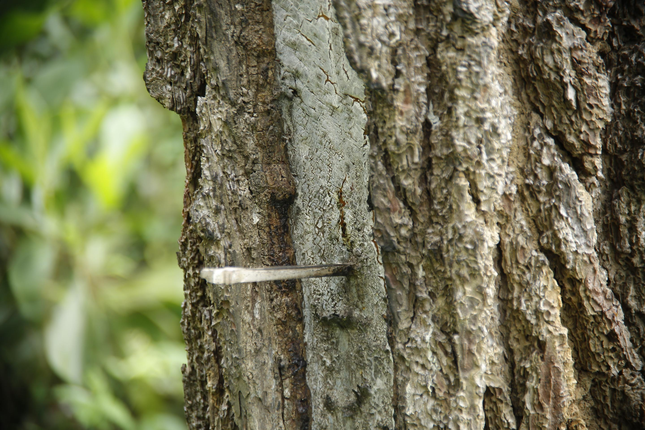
(480, 162)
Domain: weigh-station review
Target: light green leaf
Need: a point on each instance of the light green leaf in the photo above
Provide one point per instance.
(55, 79)
(11, 188)
(156, 363)
(78, 132)
(100, 175)
(58, 32)
(64, 335)
(161, 283)
(12, 159)
(121, 127)
(20, 216)
(110, 407)
(82, 403)
(123, 142)
(97, 407)
(35, 126)
(162, 422)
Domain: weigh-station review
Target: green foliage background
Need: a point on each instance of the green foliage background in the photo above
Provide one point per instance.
(91, 179)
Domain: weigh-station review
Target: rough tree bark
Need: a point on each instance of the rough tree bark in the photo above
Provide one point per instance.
(482, 163)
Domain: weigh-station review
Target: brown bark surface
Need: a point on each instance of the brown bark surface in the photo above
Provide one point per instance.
(214, 64)
(506, 170)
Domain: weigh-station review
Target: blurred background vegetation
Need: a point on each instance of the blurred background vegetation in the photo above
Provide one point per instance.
(91, 179)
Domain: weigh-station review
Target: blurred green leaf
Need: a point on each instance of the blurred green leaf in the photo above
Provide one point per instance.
(122, 145)
(160, 284)
(90, 213)
(11, 190)
(10, 157)
(162, 422)
(77, 132)
(19, 26)
(149, 361)
(36, 126)
(65, 335)
(8, 80)
(89, 12)
(82, 403)
(55, 80)
(96, 407)
(58, 32)
(110, 407)
(20, 216)
(30, 269)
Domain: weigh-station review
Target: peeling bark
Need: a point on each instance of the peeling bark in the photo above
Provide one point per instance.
(479, 161)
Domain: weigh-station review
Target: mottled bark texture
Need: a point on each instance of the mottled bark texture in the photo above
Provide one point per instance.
(481, 162)
(214, 63)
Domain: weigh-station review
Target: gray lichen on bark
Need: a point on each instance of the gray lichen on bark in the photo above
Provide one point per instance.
(349, 363)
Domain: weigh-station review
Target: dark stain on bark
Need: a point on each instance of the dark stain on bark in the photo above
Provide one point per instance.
(622, 399)
(341, 222)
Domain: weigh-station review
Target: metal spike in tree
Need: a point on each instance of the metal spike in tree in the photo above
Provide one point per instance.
(480, 165)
